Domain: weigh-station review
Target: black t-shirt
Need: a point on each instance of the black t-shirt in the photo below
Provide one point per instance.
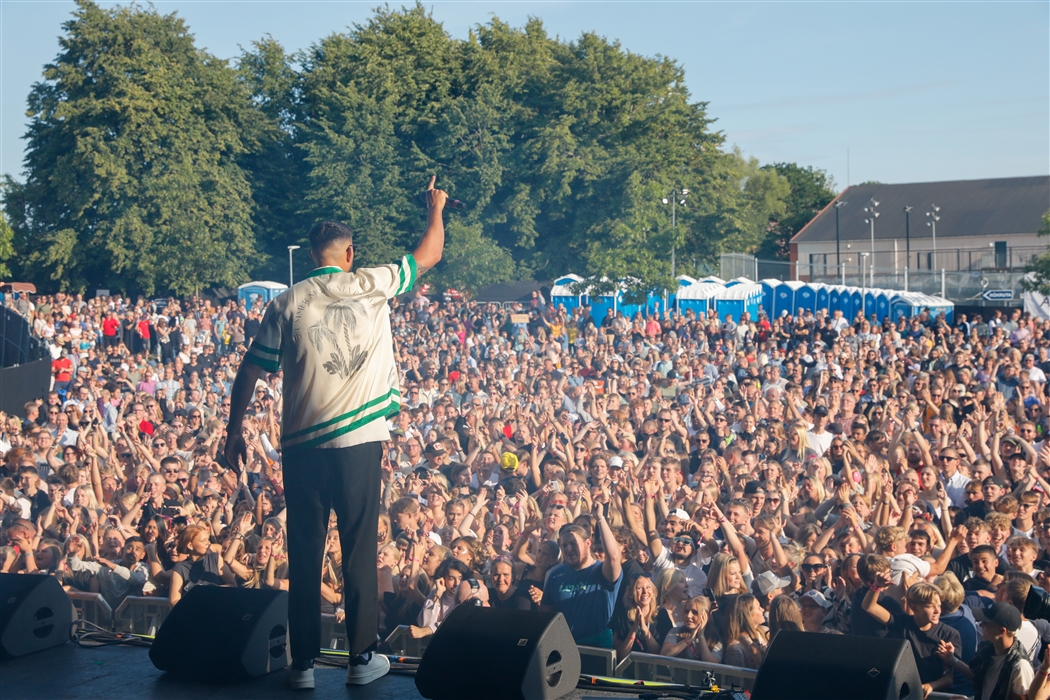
(518, 600)
(863, 624)
(924, 644)
(204, 570)
(621, 625)
(963, 568)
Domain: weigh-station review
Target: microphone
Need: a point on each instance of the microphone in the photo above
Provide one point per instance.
(449, 203)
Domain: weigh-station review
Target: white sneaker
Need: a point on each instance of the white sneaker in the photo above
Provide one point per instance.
(364, 674)
(300, 680)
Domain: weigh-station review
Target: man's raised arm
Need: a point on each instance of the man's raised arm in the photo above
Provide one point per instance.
(428, 254)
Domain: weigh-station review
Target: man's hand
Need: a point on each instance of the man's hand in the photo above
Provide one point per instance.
(236, 451)
(435, 198)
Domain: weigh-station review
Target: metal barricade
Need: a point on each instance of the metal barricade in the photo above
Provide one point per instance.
(333, 634)
(651, 667)
(141, 614)
(93, 608)
(595, 661)
(401, 641)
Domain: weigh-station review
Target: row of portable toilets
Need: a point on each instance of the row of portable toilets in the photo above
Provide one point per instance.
(735, 297)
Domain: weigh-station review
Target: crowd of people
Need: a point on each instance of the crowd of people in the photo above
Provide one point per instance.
(680, 484)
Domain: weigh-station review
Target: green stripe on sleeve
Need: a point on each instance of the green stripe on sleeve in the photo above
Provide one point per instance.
(413, 270)
(256, 345)
(400, 278)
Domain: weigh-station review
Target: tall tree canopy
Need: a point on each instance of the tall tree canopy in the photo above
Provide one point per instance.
(131, 164)
(153, 162)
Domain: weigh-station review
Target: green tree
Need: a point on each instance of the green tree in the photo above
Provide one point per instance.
(7, 244)
(810, 191)
(472, 261)
(1039, 281)
(273, 161)
(131, 164)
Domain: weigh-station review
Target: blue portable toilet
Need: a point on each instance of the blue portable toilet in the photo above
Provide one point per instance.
(805, 296)
(738, 280)
(882, 303)
(738, 299)
(713, 280)
(605, 303)
(908, 304)
(561, 292)
(845, 302)
(783, 300)
(871, 303)
(252, 292)
(769, 296)
(835, 298)
(857, 300)
(823, 296)
(698, 297)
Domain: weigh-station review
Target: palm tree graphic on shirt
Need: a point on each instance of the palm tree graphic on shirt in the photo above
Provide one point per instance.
(339, 319)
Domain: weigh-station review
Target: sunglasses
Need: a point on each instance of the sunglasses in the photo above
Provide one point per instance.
(813, 567)
(683, 540)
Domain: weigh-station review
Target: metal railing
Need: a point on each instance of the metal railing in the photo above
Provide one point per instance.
(651, 667)
(141, 614)
(93, 608)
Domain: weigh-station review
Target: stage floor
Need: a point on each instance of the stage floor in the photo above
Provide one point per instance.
(126, 673)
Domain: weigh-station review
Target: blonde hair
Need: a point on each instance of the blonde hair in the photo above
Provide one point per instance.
(631, 604)
(923, 594)
(718, 575)
(666, 580)
(952, 592)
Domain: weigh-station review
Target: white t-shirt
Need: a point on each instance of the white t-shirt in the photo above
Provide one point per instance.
(908, 562)
(695, 578)
(820, 443)
(1028, 635)
(331, 335)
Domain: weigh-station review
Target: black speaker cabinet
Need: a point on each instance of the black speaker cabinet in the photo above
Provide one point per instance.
(35, 614)
(224, 634)
(812, 666)
(499, 654)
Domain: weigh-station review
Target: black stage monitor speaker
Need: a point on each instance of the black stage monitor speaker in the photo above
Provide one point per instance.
(35, 614)
(224, 634)
(499, 654)
(813, 666)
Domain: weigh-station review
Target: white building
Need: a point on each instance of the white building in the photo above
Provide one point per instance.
(980, 225)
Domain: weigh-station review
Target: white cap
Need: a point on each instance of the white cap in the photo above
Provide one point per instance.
(678, 513)
(434, 536)
(616, 461)
(818, 597)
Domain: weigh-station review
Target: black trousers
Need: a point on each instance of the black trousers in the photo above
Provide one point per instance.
(316, 481)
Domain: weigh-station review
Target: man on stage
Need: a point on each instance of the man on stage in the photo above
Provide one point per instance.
(330, 333)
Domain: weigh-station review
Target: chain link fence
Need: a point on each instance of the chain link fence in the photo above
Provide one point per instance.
(960, 286)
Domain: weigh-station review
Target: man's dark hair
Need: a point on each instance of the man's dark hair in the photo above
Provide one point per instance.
(984, 549)
(325, 233)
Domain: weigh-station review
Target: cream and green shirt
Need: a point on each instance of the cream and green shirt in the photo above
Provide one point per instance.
(330, 333)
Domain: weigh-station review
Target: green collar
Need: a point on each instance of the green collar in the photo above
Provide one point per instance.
(324, 271)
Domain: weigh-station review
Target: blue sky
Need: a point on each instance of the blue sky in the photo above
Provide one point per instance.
(916, 91)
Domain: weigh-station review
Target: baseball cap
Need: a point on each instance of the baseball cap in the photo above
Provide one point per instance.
(508, 462)
(435, 537)
(683, 400)
(753, 487)
(435, 448)
(817, 597)
(768, 581)
(1000, 613)
(615, 462)
(820, 411)
(678, 513)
